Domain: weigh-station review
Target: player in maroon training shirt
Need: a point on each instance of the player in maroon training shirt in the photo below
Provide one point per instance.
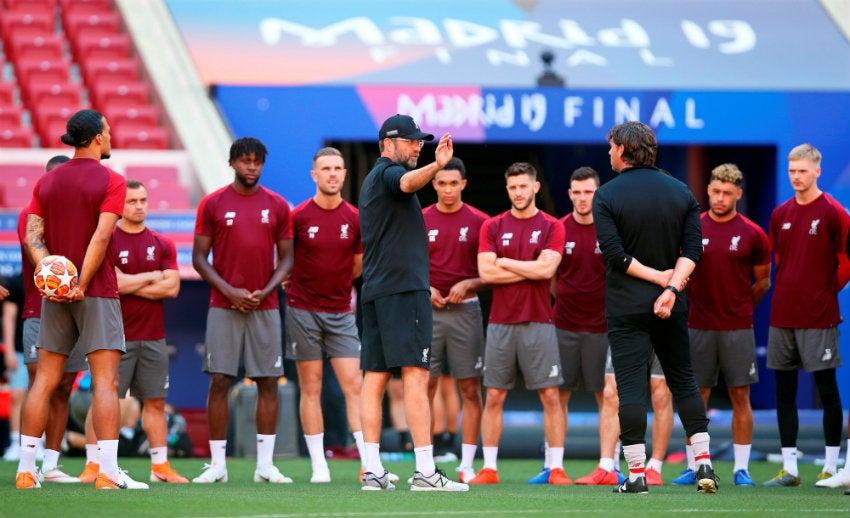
(808, 235)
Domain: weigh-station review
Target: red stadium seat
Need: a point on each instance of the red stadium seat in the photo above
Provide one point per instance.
(16, 137)
(86, 6)
(11, 116)
(31, 71)
(18, 181)
(47, 115)
(86, 47)
(154, 177)
(23, 46)
(30, 23)
(51, 134)
(151, 138)
(7, 92)
(30, 4)
(95, 70)
(131, 116)
(108, 93)
(171, 198)
(91, 24)
(63, 94)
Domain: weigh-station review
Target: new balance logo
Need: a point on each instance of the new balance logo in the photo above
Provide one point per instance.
(553, 372)
(312, 231)
(432, 235)
(506, 238)
(786, 225)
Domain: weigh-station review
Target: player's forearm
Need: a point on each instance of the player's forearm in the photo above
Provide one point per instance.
(131, 283)
(532, 270)
(34, 245)
(414, 180)
(166, 288)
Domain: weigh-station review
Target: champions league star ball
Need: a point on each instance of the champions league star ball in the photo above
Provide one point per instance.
(55, 275)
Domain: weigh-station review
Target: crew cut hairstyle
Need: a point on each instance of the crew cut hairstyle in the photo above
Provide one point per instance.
(728, 173)
(639, 143)
(134, 184)
(583, 173)
(247, 145)
(518, 168)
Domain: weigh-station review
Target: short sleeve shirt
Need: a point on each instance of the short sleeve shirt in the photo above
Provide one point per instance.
(453, 245)
(245, 230)
(580, 295)
(326, 242)
(524, 240)
(146, 251)
(721, 285)
(806, 241)
(71, 198)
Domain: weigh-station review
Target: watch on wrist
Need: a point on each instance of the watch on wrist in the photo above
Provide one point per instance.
(672, 288)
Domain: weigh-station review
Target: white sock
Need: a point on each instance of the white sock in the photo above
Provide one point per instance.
(127, 432)
(606, 463)
(50, 461)
(742, 456)
(467, 454)
(490, 455)
(361, 449)
(700, 442)
(29, 445)
(789, 460)
(636, 459)
(689, 453)
(316, 447)
(373, 458)
(265, 449)
(159, 455)
(556, 457)
(218, 453)
(91, 453)
(425, 459)
(830, 463)
(107, 457)
(14, 438)
(655, 464)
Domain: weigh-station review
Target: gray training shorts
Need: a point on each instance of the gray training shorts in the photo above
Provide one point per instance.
(531, 346)
(76, 361)
(144, 369)
(583, 357)
(733, 352)
(232, 334)
(310, 335)
(458, 338)
(95, 322)
(809, 349)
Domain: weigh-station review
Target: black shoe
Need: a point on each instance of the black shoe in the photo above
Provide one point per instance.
(638, 486)
(706, 480)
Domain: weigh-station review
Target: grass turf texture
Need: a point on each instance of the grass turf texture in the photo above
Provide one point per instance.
(512, 497)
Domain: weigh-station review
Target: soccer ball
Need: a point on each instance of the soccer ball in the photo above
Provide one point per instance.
(55, 275)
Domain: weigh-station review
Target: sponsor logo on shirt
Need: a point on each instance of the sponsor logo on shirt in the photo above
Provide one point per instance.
(312, 231)
(230, 216)
(535, 237)
(733, 246)
(462, 237)
(343, 231)
(123, 256)
(786, 225)
(813, 231)
(506, 238)
(151, 250)
(264, 216)
(432, 235)
(597, 250)
(568, 247)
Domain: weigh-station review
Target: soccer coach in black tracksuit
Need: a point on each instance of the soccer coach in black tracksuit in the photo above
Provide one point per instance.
(648, 227)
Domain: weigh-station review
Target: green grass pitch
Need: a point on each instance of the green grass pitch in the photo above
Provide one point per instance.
(513, 497)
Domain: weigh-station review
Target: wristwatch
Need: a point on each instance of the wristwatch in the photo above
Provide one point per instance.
(672, 288)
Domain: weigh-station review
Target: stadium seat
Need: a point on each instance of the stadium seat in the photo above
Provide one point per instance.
(86, 47)
(29, 23)
(154, 177)
(7, 92)
(130, 138)
(31, 71)
(131, 116)
(113, 69)
(90, 24)
(86, 6)
(23, 46)
(13, 5)
(171, 198)
(16, 137)
(47, 115)
(18, 183)
(51, 134)
(108, 93)
(11, 116)
(64, 94)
